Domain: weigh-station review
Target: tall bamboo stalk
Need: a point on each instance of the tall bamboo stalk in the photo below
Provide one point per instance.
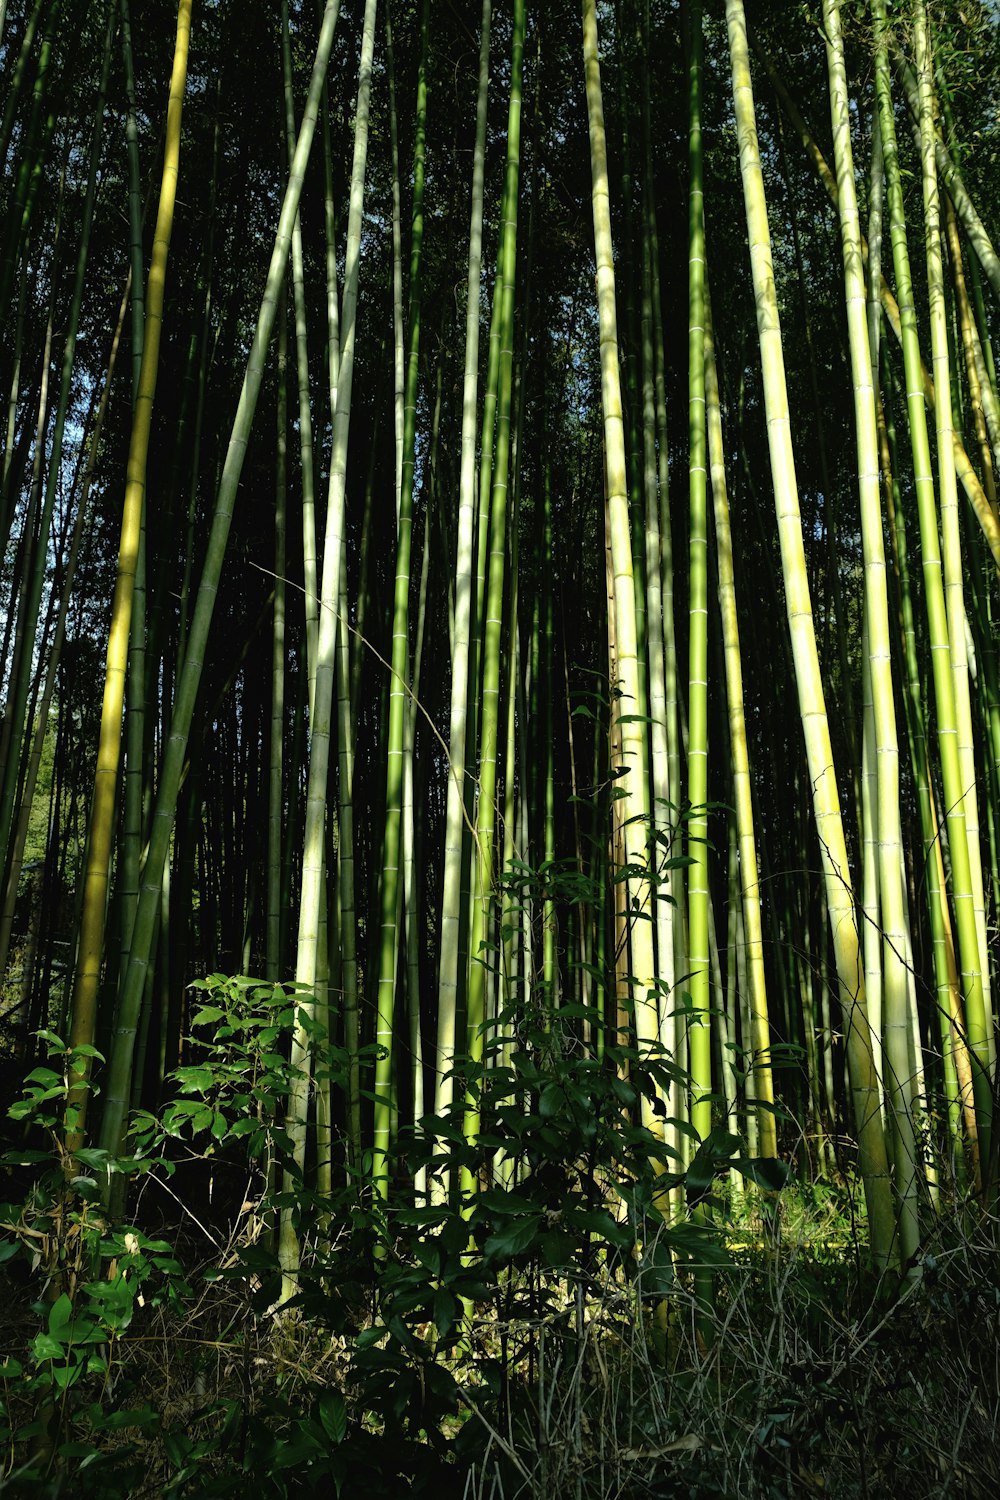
(632, 808)
(485, 854)
(190, 672)
(757, 1041)
(893, 924)
(977, 999)
(312, 896)
(812, 702)
(92, 921)
(399, 748)
(698, 1019)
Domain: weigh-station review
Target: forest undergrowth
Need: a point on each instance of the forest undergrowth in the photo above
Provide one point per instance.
(580, 1324)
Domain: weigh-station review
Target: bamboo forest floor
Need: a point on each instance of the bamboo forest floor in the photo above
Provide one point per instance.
(802, 1378)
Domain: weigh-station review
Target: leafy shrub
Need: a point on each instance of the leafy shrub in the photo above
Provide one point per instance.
(438, 1311)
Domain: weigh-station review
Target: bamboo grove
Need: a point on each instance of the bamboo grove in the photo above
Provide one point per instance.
(394, 609)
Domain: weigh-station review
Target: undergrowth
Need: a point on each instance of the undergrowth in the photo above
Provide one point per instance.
(546, 1338)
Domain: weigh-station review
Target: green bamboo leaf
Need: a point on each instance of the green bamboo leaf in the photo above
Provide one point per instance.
(195, 1079)
(333, 1415)
(46, 1077)
(60, 1314)
(499, 1200)
(446, 1309)
(207, 1015)
(513, 1239)
(44, 1346)
(91, 1156)
(54, 1043)
(767, 1172)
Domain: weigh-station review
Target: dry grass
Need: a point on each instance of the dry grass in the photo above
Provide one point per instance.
(799, 1383)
